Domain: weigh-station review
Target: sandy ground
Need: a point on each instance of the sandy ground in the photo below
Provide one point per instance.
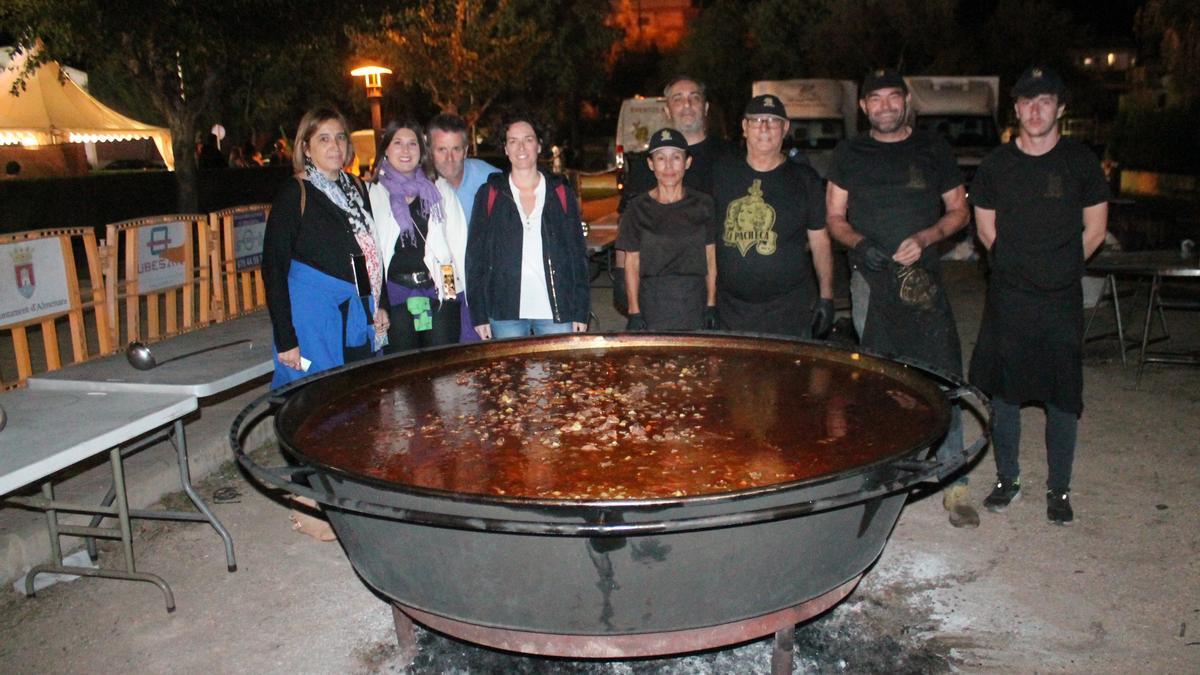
(1118, 592)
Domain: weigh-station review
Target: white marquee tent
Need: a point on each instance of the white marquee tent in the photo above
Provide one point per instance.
(53, 109)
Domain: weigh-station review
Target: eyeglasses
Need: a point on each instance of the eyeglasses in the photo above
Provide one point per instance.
(765, 121)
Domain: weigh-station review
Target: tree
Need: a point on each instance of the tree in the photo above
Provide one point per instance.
(1170, 29)
(181, 56)
(572, 64)
(463, 53)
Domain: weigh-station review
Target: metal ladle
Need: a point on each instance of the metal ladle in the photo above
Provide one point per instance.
(139, 355)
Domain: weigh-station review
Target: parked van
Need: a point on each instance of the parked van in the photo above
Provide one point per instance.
(822, 112)
(639, 118)
(963, 111)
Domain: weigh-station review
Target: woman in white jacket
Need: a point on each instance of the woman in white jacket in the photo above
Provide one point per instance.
(422, 236)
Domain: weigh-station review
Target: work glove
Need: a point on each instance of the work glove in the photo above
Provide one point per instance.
(822, 320)
(873, 257)
(636, 322)
(710, 318)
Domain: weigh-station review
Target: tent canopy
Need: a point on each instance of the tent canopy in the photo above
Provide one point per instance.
(53, 109)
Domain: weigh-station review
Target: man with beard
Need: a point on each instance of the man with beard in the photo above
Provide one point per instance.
(687, 112)
(1033, 199)
(893, 193)
(771, 217)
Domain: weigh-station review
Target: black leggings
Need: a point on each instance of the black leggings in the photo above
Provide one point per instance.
(1061, 428)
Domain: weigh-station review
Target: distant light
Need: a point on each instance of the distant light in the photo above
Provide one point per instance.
(1087, 61)
(1112, 58)
(367, 71)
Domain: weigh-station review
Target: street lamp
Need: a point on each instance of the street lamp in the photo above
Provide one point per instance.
(373, 78)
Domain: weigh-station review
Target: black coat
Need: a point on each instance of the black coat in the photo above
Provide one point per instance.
(494, 246)
(321, 238)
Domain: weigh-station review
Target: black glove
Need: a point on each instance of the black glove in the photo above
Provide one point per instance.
(822, 320)
(873, 257)
(636, 322)
(710, 318)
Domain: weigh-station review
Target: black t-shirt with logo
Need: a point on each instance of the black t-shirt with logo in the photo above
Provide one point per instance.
(763, 219)
(669, 238)
(895, 189)
(1039, 202)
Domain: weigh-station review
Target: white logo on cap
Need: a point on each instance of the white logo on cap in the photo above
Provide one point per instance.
(666, 136)
(1037, 72)
(768, 102)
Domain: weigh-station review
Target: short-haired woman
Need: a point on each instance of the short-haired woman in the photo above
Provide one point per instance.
(669, 237)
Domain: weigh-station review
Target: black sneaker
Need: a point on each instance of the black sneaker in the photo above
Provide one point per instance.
(1006, 492)
(1058, 507)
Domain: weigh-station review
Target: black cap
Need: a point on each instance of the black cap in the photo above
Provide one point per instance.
(881, 78)
(1036, 81)
(667, 138)
(766, 104)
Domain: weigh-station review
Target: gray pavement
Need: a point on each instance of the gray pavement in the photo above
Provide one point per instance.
(1118, 592)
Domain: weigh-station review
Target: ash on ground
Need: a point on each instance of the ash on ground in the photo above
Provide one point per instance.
(876, 630)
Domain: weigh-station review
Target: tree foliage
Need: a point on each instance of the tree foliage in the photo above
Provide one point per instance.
(462, 53)
(188, 59)
(1171, 31)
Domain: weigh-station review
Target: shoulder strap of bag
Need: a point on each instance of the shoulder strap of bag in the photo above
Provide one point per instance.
(303, 194)
(561, 191)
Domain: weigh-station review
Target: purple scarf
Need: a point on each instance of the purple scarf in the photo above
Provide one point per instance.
(400, 188)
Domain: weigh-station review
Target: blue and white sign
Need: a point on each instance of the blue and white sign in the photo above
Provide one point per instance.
(160, 256)
(248, 231)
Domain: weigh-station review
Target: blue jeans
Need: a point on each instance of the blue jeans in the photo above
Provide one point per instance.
(511, 328)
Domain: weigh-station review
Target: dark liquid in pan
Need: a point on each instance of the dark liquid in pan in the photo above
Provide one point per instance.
(621, 424)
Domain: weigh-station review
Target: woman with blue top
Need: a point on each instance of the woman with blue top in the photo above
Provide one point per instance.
(321, 265)
(422, 236)
(526, 255)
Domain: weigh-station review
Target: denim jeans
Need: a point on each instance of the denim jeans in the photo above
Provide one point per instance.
(510, 328)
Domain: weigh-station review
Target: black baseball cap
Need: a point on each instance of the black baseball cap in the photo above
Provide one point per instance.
(667, 138)
(766, 104)
(882, 78)
(1038, 80)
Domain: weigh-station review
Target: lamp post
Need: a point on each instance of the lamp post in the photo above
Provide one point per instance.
(373, 78)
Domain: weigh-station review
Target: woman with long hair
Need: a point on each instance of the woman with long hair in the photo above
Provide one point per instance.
(321, 265)
(422, 236)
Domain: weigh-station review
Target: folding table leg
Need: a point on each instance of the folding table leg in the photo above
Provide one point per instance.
(1151, 303)
(179, 440)
(130, 572)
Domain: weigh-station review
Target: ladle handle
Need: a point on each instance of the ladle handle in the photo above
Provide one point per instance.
(205, 350)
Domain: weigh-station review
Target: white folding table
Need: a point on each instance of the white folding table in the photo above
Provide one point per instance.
(225, 362)
(51, 430)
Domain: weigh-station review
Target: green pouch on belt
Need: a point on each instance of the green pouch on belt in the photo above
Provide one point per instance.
(418, 306)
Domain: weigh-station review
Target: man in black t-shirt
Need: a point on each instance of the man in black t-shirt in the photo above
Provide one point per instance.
(1033, 199)
(686, 112)
(893, 193)
(774, 258)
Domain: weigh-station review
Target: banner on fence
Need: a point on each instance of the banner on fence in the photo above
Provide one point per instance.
(34, 280)
(160, 256)
(248, 231)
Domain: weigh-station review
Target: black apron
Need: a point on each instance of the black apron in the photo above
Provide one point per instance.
(787, 314)
(1030, 345)
(909, 316)
(673, 302)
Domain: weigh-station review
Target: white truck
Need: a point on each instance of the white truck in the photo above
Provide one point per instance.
(822, 112)
(963, 110)
(639, 118)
